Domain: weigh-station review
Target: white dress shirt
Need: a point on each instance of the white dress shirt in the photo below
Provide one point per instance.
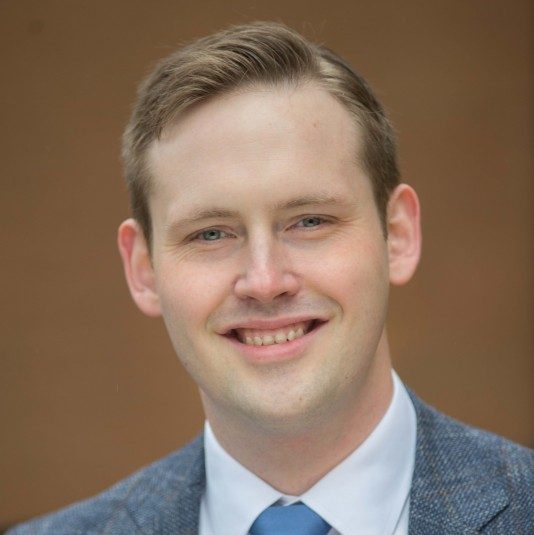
(366, 494)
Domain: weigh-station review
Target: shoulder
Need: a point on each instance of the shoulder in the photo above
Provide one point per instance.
(469, 448)
(116, 510)
(480, 476)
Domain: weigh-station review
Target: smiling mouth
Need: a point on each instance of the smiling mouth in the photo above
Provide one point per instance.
(268, 337)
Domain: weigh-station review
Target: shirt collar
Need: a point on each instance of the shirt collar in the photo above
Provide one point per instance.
(366, 491)
(369, 488)
(234, 496)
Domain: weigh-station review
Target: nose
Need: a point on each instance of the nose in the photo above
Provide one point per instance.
(266, 274)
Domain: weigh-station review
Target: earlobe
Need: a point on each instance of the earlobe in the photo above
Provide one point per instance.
(138, 267)
(404, 234)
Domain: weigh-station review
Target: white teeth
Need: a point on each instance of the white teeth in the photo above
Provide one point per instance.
(271, 337)
(267, 340)
(280, 338)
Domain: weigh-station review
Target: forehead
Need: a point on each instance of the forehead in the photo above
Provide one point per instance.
(260, 139)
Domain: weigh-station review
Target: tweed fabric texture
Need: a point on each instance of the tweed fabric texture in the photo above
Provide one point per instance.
(162, 499)
(465, 481)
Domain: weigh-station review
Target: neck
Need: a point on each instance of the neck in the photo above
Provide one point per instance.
(292, 460)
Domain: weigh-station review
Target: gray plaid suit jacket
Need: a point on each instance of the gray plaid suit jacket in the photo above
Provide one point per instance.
(465, 481)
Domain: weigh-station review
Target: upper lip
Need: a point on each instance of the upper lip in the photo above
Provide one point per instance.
(268, 323)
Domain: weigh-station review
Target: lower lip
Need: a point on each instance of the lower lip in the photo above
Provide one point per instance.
(276, 352)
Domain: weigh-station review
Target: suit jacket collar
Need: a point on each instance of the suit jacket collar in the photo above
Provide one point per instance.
(169, 502)
(457, 487)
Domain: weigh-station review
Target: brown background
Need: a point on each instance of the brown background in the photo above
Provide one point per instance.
(91, 389)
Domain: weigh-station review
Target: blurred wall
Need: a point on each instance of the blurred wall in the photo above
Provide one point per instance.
(91, 389)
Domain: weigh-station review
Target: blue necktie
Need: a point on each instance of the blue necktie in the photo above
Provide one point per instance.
(297, 519)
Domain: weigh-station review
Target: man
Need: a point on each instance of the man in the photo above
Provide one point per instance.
(269, 222)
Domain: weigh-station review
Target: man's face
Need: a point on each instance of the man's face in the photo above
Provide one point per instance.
(268, 254)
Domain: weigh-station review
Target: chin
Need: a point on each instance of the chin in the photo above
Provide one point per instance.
(287, 414)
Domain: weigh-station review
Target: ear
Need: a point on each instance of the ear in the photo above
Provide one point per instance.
(138, 267)
(404, 234)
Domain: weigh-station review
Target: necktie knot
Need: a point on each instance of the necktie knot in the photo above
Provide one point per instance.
(296, 519)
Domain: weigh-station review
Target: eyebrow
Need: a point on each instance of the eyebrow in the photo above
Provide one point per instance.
(318, 199)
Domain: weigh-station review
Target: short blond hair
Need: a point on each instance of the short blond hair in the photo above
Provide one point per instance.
(263, 53)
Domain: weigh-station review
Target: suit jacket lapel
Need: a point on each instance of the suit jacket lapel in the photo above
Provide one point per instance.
(168, 503)
(455, 487)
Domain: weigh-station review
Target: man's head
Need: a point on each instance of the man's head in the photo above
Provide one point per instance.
(267, 258)
(257, 54)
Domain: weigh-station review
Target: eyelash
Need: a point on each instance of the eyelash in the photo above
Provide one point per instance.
(299, 224)
(319, 219)
(198, 235)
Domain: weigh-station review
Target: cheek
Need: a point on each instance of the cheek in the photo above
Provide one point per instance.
(190, 293)
(352, 274)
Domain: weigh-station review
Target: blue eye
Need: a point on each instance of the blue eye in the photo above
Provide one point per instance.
(310, 222)
(212, 234)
